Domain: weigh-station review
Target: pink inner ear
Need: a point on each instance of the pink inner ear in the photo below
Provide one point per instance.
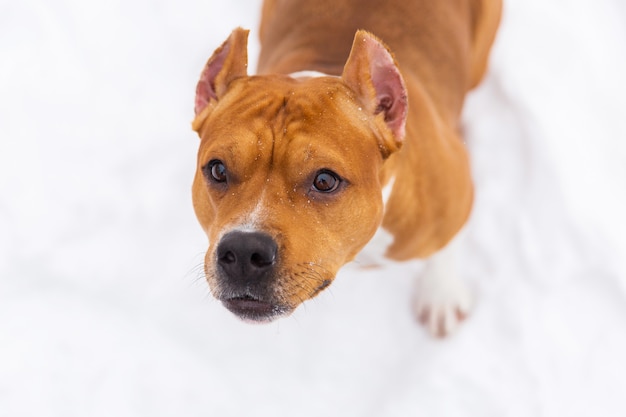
(391, 96)
(205, 89)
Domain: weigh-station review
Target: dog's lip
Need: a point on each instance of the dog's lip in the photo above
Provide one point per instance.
(253, 309)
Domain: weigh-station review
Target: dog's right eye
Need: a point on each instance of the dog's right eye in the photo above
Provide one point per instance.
(215, 170)
(326, 181)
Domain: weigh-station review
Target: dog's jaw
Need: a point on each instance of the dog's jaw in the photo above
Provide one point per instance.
(252, 310)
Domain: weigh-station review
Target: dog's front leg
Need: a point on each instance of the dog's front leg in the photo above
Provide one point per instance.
(441, 300)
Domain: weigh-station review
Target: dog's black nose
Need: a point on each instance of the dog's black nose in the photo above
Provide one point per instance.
(246, 256)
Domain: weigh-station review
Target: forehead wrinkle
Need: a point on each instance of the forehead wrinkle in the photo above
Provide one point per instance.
(250, 116)
(255, 96)
(303, 151)
(314, 137)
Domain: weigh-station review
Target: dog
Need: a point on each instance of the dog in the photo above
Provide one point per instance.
(351, 126)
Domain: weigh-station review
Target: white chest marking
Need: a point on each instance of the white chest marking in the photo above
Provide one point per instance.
(373, 254)
(387, 191)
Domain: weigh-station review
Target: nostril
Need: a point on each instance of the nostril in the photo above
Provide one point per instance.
(261, 261)
(228, 257)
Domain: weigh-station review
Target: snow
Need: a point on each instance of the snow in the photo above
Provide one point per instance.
(103, 309)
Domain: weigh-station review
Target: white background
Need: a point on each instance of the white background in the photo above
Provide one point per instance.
(103, 309)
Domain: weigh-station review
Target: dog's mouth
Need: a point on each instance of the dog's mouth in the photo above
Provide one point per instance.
(253, 309)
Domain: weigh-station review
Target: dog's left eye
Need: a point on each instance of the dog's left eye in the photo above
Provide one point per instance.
(326, 181)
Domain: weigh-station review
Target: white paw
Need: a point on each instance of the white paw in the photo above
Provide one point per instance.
(441, 304)
(441, 301)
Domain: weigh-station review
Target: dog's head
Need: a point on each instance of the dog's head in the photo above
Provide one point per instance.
(288, 180)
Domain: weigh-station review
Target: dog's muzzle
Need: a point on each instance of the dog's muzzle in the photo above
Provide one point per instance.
(246, 270)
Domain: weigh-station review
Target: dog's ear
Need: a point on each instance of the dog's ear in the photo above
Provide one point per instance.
(228, 62)
(372, 73)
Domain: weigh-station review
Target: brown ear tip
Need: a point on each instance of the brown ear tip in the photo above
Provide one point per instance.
(240, 32)
(367, 36)
(362, 33)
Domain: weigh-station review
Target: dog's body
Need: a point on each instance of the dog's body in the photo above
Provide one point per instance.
(291, 167)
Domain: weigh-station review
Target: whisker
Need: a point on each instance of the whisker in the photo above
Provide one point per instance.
(312, 278)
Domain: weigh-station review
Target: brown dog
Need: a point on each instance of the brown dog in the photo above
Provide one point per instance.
(292, 163)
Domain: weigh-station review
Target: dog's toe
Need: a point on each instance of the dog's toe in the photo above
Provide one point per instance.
(441, 301)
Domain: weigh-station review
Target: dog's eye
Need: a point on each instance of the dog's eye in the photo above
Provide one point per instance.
(216, 170)
(326, 181)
